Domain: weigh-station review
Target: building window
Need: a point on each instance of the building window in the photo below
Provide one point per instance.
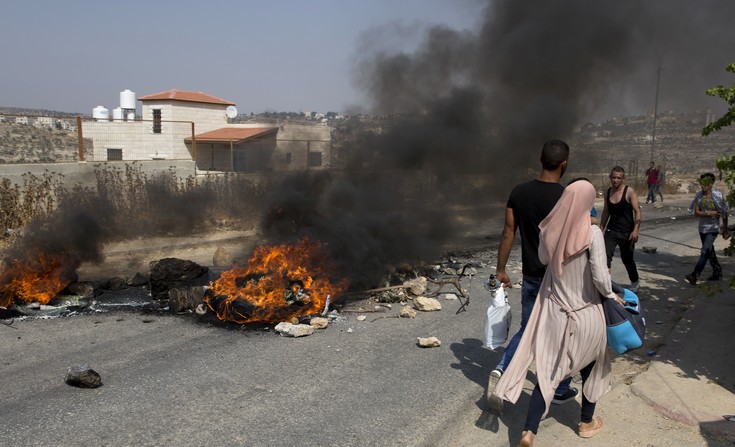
(114, 155)
(315, 159)
(156, 120)
(288, 157)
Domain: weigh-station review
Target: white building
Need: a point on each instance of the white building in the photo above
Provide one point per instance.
(45, 121)
(180, 124)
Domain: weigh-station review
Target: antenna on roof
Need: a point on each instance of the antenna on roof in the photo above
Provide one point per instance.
(231, 111)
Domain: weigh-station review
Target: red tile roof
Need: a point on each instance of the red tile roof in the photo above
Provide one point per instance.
(233, 134)
(184, 95)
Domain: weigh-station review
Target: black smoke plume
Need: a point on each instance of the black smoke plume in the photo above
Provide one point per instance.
(469, 105)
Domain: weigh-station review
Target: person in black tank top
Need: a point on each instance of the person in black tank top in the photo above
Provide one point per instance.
(620, 221)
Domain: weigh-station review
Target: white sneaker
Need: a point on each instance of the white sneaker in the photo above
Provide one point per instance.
(494, 402)
(635, 286)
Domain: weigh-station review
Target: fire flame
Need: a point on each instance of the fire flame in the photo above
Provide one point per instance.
(277, 284)
(35, 280)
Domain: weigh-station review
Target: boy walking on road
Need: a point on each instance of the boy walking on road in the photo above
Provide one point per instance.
(529, 203)
(651, 182)
(623, 212)
(709, 206)
(660, 180)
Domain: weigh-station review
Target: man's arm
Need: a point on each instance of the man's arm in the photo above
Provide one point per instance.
(605, 215)
(725, 231)
(633, 200)
(722, 209)
(506, 244)
(700, 213)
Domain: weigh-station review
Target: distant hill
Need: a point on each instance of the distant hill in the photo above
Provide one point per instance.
(679, 145)
(37, 112)
(25, 143)
(596, 147)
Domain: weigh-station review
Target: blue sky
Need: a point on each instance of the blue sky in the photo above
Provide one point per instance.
(301, 55)
(282, 55)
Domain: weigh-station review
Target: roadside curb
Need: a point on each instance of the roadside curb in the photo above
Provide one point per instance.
(682, 380)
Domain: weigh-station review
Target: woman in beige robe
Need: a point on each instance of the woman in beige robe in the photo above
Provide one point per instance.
(566, 331)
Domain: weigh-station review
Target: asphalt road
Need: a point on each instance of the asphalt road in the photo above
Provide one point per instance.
(170, 380)
(177, 381)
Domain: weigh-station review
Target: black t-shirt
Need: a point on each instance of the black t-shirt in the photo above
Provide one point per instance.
(531, 202)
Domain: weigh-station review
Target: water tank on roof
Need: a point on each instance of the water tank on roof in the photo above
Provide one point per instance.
(127, 99)
(117, 114)
(100, 113)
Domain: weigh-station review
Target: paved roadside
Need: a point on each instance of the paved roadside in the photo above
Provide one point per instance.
(691, 378)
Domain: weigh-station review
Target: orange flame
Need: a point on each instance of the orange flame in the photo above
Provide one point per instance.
(277, 284)
(38, 280)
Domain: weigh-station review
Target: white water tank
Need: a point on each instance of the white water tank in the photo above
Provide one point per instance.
(100, 113)
(117, 114)
(127, 99)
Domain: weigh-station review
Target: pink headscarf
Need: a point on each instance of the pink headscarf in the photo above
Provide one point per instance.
(567, 231)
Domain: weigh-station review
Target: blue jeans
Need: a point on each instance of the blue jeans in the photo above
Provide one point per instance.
(529, 291)
(707, 254)
(651, 194)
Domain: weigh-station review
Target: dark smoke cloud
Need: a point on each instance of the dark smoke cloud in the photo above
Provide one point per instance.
(535, 69)
(483, 102)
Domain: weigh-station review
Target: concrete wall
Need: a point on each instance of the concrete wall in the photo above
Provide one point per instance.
(137, 140)
(83, 173)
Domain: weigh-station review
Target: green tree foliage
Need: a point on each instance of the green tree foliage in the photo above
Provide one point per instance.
(727, 94)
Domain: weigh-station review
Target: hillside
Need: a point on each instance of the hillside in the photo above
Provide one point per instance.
(679, 146)
(24, 143)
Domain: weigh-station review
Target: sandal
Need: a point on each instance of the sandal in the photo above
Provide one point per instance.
(590, 429)
(526, 439)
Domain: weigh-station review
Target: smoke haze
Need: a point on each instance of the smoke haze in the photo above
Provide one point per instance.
(483, 103)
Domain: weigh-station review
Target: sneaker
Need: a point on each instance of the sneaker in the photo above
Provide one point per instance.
(568, 396)
(691, 278)
(634, 286)
(494, 402)
(715, 276)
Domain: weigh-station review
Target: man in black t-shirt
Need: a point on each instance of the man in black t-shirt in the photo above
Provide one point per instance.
(622, 216)
(528, 205)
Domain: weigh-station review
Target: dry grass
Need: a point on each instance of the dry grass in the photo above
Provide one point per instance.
(130, 203)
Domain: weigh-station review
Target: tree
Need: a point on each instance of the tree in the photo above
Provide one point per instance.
(727, 94)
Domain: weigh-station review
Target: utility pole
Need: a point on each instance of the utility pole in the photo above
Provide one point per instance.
(655, 111)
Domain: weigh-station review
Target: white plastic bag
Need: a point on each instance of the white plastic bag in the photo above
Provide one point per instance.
(497, 323)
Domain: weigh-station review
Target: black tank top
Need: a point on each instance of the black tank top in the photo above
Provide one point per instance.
(621, 213)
